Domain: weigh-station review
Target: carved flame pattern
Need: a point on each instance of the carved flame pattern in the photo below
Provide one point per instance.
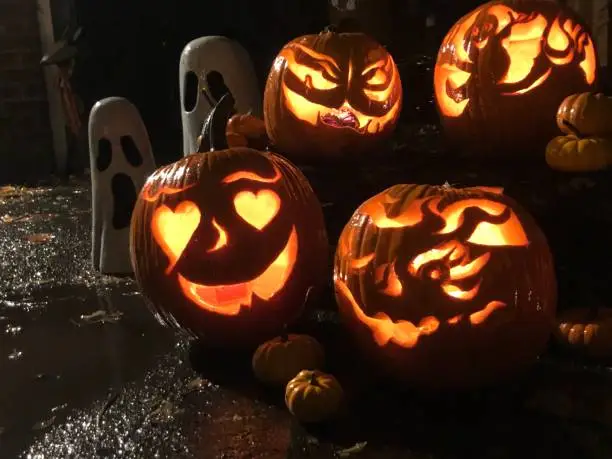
(448, 263)
(527, 38)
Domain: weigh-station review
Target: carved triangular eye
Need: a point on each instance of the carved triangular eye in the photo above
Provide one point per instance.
(105, 154)
(131, 151)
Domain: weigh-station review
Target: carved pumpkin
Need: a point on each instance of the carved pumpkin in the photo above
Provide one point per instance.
(503, 69)
(313, 396)
(587, 330)
(589, 113)
(445, 288)
(574, 153)
(228, 243)
(278, 360)
(331, 94)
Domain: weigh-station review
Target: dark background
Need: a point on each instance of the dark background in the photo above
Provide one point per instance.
(132, 48)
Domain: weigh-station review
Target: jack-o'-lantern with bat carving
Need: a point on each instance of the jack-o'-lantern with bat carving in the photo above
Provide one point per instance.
(331, 95)
(502, 71)
(446, 288)
(228, 244)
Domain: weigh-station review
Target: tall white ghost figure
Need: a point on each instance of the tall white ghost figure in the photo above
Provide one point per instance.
(121, 159)
(210, 67)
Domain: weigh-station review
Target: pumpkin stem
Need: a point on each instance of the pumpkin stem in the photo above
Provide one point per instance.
(573, 129)
(331, 28)
(313, 380)
(213, 135)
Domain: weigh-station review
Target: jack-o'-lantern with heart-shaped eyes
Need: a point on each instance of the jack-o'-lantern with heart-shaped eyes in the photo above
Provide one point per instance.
(330, 95)
(228, 244)
(446, 288)
(502, 71)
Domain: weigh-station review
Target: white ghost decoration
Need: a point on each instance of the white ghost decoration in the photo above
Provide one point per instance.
(209, 67)
(121, 159)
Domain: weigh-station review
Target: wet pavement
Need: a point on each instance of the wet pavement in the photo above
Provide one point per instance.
(86, 371)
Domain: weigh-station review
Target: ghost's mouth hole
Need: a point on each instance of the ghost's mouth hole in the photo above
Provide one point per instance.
(124, 199)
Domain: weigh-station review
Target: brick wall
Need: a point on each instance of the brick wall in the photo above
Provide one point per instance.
(25, 135)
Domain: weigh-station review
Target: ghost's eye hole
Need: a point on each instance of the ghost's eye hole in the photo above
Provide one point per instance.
(130, 150)
(257, 209)
(105, 154)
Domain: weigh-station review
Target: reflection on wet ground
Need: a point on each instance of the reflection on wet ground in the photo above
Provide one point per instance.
(86, 371)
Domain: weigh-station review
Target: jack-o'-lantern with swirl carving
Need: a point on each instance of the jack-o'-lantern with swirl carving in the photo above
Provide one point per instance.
(502, 71)
(446, 288)
(228, 244)
(331, 95)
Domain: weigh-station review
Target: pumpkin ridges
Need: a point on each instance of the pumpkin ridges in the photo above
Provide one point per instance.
(302, 208)
(532, 273)
(313, 396)
(577, 329)
(279, 360)
(589, 112)
(299, 139)
(572, 154)
(493, 123)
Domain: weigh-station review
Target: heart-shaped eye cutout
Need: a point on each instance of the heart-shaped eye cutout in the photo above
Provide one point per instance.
(172, 229)
(257, 209)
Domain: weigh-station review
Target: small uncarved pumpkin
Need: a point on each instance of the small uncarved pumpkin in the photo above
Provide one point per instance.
(246, 130)
(589, 112)
(586, 330)
(278, 360)
(313, 396)
(576, 153)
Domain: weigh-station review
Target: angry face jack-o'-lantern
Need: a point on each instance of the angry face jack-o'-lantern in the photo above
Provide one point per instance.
(446, 288)
(330, 95)
(228, 243)
(503, 70)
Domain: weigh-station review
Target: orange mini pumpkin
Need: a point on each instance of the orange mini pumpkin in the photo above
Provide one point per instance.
(589, 113)
(228, 243)
(503, 69)
(444, 287)
(278, 360)
(330, 95)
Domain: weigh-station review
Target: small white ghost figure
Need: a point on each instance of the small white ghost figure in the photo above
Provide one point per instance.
(208, 68)
(121, 158)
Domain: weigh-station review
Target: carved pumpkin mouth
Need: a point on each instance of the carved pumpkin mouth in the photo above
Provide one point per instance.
(228, 299)
(342, 118)
(404, 333)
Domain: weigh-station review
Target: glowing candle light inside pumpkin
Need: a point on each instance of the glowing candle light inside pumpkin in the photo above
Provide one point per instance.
(526, 37)
(423, 271)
